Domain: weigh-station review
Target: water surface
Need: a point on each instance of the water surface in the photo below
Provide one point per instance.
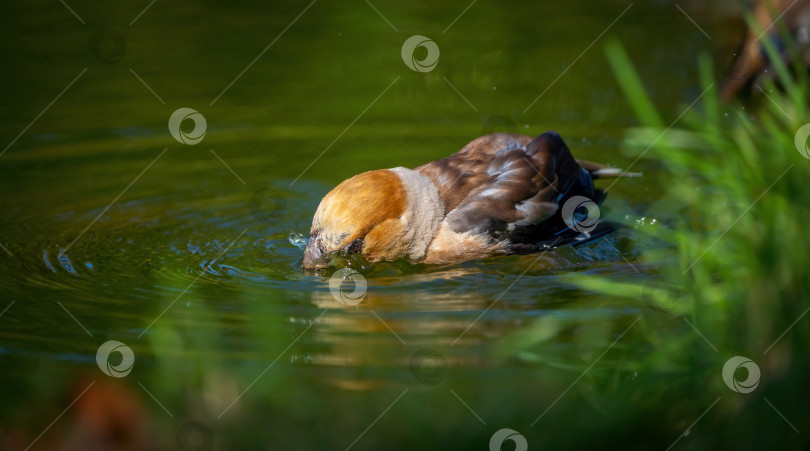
(116, 231)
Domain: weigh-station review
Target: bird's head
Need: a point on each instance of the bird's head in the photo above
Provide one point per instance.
(377, 215)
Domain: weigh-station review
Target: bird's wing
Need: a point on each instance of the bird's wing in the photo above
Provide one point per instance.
(459, 174)
(499, 184)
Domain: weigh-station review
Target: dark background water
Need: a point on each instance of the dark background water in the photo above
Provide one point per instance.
(113, 230)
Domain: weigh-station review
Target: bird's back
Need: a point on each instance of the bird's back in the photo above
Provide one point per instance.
(512, 187)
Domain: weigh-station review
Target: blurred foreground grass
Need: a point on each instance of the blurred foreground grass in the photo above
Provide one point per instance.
(734, 208)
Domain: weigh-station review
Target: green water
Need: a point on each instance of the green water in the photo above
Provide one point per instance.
(116, 231)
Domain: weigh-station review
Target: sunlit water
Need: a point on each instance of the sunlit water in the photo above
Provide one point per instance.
(116, 231)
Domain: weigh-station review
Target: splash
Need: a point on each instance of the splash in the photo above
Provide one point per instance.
(298, 240)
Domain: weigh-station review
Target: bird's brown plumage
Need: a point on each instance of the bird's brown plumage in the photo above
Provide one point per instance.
(503, 179)
(500, 194)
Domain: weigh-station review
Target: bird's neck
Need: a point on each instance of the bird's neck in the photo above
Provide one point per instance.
(423, 213)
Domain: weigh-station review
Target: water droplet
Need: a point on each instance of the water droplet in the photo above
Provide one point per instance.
(298, 240)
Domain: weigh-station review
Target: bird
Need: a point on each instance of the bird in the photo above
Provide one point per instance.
(500, 194)
(751, 64)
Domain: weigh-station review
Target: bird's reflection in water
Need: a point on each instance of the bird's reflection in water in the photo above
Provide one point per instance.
(431, 327)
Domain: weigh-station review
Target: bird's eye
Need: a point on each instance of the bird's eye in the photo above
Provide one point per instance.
(355, 247)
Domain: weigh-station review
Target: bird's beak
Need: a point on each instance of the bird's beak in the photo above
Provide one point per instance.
(313, 257)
